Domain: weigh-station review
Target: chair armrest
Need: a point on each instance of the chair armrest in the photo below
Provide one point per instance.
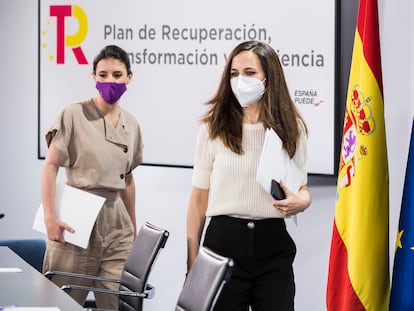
(148, 293)
(51, 274)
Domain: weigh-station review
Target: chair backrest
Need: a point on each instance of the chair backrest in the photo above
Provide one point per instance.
(147, 245)
(31, 250)
(204, 281)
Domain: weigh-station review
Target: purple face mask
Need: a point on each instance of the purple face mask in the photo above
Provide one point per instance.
(111, 91)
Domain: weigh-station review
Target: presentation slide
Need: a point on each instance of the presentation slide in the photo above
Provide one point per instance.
(178, 50)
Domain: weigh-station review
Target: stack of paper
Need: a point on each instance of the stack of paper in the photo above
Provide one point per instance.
(275, 163)
(75, 207)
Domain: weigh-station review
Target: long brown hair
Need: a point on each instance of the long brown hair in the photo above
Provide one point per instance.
(277, 110)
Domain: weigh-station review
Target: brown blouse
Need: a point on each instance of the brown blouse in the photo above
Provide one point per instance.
(96, 155)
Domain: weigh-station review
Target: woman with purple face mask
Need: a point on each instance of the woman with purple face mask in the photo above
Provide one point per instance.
(245, 222)
(99, 144)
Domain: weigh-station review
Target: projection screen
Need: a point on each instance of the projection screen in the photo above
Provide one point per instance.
(178, 50)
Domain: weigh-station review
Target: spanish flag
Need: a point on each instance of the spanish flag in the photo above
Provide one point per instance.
(358, 276)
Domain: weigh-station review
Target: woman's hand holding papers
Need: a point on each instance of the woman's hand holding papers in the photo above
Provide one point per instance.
(294, 203)
(55, 227)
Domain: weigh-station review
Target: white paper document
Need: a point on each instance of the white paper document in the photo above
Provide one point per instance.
(15, 308)
(75, 207)
(10, 270)
(275, 163)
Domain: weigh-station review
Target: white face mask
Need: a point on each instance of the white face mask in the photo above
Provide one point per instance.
(248, 90)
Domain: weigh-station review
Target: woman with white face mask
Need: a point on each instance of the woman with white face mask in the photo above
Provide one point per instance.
(246, 224)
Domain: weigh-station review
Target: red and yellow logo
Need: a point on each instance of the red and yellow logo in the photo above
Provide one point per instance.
(63, 15)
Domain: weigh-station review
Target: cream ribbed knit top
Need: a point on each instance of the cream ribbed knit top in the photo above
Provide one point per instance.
(231, 178)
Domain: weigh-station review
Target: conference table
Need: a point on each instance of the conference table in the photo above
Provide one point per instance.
(22, 285)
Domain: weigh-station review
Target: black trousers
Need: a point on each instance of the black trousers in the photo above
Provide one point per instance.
(263, 253)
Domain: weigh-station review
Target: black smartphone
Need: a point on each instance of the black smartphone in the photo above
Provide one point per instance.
(277, 192)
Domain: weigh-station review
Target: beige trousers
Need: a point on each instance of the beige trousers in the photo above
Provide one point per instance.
(109, 245)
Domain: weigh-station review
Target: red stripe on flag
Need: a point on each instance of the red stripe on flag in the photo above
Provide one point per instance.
(358, 276)
(340, 293)
(367, 27)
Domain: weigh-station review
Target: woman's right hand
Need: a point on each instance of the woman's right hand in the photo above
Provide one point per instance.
(55, 227)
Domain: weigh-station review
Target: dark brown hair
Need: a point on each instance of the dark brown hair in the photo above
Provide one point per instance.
(225, 115)
(113, 51)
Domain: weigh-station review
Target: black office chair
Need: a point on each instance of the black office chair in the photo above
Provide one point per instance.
(204, 282)
(133, 287)
(31, 250)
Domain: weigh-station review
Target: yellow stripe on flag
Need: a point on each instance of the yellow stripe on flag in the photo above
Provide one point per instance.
(362, 211)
